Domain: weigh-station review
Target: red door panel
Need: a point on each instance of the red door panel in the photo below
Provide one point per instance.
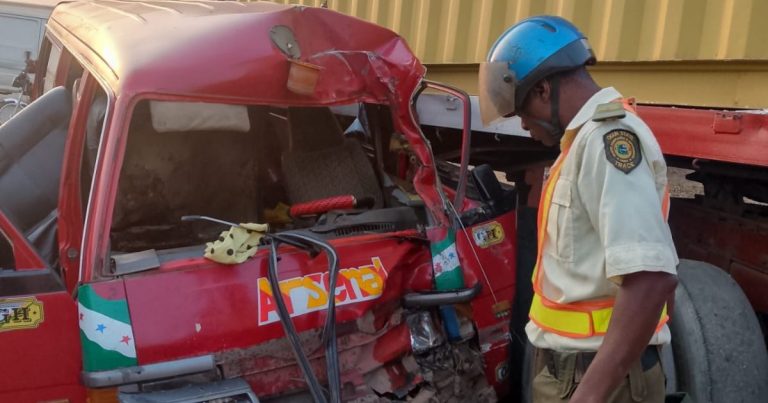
(39, 336)
(40, 346)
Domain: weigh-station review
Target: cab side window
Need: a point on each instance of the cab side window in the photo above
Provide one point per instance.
(57, 67)
(49, 78)
(16, 281)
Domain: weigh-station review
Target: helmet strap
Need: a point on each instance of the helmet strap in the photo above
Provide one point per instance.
(553, 127)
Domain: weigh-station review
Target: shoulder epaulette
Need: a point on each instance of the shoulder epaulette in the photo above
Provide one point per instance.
(609, 111)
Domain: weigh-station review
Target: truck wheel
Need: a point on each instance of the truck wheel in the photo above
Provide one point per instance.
(670, 371)
(720, 355)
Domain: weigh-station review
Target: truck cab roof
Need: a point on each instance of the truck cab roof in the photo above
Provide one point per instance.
(223, 49)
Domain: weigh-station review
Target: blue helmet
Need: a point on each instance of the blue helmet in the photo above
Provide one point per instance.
(526, 53)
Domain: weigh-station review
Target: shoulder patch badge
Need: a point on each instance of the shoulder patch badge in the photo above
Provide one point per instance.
(622, 148)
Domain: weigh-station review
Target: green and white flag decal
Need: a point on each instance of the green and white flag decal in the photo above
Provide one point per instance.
(105, 332)
(445, 263)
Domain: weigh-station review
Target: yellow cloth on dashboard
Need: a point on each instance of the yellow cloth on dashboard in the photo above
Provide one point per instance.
(278, 215)
(236, 244)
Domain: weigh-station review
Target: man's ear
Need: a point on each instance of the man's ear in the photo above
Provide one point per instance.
(542, 90)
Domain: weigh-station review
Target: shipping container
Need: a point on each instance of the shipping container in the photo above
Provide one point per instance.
(685, 52)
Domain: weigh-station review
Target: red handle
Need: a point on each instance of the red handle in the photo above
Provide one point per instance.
(323, 205)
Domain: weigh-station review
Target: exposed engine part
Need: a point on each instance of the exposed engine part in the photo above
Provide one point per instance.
(424, 334)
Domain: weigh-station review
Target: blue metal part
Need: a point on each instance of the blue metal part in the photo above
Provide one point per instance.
(450, 322)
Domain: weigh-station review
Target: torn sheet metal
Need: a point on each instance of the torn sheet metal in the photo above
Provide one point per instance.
(424, 334)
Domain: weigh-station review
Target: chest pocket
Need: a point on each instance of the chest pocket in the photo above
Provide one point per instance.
(560, 222)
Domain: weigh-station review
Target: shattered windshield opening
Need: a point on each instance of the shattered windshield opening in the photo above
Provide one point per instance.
(257, 164)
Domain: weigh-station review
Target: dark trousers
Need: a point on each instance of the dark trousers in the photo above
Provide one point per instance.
(558, 374)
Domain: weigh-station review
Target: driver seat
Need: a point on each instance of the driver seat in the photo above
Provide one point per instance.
(322, 163)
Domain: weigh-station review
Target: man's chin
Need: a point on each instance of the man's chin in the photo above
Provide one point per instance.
(547, 141)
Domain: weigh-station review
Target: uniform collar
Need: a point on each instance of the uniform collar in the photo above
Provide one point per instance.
(587, 110)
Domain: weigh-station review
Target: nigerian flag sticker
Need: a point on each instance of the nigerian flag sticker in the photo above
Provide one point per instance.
(105, 331)
(445, 263)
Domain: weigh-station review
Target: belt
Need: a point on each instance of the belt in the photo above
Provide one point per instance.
(557, 362)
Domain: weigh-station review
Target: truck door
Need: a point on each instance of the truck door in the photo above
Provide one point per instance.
(39, 339)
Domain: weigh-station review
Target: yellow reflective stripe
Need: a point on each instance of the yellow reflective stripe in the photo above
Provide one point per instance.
(601, 318)
(557, 320)
(546, 200)
(575, 323)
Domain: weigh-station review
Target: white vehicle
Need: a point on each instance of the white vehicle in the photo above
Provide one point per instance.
(22, 26)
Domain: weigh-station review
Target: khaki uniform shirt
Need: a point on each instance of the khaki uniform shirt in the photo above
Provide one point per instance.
(603, 223)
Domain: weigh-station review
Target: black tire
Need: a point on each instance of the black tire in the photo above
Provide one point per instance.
(668, 365)
(720, 354)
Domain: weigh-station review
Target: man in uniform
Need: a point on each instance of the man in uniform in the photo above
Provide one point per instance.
(606, 264)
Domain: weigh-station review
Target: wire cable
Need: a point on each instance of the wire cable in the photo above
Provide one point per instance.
(290, 331)
(329, 330)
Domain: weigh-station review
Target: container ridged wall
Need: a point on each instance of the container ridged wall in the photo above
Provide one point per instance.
(678, 36)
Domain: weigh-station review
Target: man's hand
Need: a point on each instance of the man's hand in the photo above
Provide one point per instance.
(636, 314)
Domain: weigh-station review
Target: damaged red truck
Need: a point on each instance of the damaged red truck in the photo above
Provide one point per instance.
(155, 112)
(156, 125)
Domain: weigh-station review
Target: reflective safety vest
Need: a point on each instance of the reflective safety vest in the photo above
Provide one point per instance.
(583, 318)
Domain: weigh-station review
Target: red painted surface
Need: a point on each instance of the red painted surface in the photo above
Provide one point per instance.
(46, 361)
(23, 254)
(493, 266)
(110, 289)
(753, 282)
(69, 394)
(496, 365)
(227, 306)
(393, 345)
(738, 136)
(733, 243)
(71, 207)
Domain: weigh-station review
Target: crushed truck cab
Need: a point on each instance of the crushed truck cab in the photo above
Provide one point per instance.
(157, 127)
